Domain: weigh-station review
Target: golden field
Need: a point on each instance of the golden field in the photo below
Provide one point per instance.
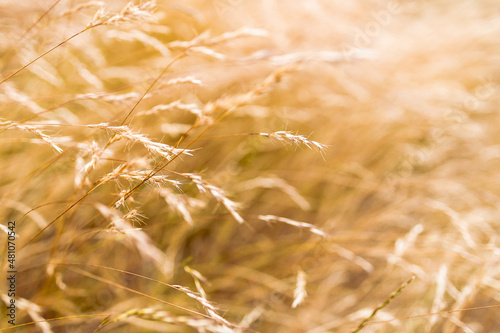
(251, 166)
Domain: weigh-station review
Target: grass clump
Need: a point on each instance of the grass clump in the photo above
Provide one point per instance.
(265, 166)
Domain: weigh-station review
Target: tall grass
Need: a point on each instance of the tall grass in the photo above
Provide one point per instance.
(251, 166)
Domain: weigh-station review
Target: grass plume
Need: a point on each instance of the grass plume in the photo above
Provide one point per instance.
(251, 166)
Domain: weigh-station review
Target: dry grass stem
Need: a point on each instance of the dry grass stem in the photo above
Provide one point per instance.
(217, 193)
(302, 225)
(300, 293)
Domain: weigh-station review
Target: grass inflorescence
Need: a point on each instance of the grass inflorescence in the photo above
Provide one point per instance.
(251, 166)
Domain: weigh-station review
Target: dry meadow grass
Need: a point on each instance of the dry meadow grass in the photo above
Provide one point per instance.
(251, 166)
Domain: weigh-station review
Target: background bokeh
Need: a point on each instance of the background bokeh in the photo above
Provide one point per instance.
(405, 94)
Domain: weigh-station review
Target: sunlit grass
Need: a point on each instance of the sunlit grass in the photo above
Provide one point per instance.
(264, 166)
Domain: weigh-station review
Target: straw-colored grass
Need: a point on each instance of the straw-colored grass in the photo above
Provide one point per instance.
(251, 166)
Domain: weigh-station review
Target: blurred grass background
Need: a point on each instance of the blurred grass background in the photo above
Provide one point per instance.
(405, 95)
